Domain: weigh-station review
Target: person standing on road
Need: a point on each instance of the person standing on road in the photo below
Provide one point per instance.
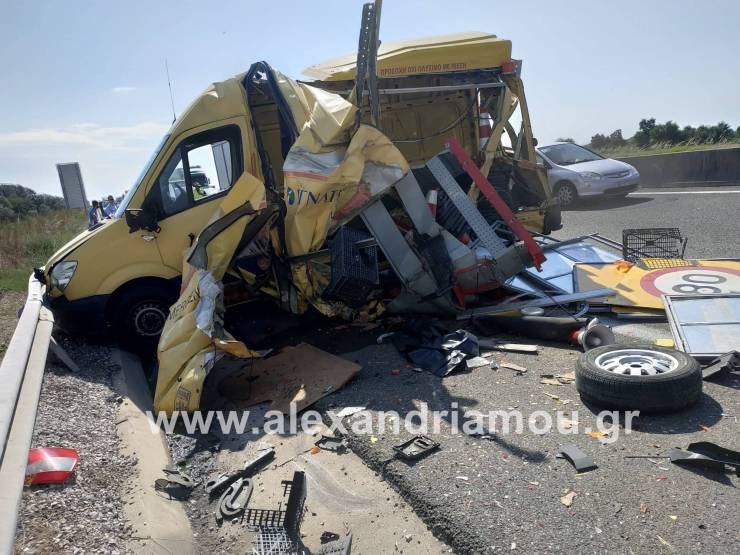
(95, 216)
(110, 207)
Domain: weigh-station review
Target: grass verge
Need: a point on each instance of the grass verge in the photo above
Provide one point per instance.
(631, 150)
(30, 241)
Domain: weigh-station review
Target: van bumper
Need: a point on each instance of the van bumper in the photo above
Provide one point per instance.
(81, 317)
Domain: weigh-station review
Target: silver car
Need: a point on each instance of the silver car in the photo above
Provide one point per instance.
(574, 171)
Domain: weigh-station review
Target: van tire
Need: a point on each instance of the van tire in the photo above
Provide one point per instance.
(662, 392)
(566, 193)
(140, 313)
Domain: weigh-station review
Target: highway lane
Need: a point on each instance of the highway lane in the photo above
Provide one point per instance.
(709, 217)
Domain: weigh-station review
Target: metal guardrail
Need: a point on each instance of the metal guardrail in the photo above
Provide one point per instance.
(21, 374)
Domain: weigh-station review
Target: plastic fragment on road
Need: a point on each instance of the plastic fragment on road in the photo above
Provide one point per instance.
(729, 362)
(416, 447)
(50, 465)
(580, 461)
(708, 455)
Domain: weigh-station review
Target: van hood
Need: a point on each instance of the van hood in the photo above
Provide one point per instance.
(604, 167)
(78, 240)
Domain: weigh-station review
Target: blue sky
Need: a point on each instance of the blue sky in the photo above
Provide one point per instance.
(84, 81)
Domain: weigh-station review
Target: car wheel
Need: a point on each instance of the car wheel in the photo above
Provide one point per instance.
(140, 316)
(638, 377)
(566, 194)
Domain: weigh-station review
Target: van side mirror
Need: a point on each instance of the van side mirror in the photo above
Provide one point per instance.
(141, 218)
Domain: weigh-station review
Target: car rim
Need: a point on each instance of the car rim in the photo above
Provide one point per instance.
(565, 195)
(149, 319)
(637, 362)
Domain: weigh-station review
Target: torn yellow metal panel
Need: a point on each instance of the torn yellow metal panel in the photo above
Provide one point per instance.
(193, 338)
(325, 189)
(641, 285)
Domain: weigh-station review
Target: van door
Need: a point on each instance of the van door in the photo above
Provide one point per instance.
(200, 170)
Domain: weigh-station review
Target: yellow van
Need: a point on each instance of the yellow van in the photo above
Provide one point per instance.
(124, 274)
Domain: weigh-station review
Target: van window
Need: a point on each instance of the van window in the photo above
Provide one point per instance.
(210, 169)
(172, 188)
(201, 167)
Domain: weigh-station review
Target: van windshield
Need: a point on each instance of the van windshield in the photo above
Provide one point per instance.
(567, 154)
(130, 193)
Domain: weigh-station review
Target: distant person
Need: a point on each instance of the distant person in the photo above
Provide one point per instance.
(110, 207)
(95, 216)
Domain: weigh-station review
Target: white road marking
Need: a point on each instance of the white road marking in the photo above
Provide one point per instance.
(735, 192)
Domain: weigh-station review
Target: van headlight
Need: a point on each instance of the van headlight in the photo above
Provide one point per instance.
(61, 273)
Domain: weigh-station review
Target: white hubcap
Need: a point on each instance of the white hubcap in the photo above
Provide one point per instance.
(636, 362)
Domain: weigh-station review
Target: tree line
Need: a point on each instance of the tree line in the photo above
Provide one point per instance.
(651, 134)
(17, 202)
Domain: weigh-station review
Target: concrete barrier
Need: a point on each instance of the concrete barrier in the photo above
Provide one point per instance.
(716, 167)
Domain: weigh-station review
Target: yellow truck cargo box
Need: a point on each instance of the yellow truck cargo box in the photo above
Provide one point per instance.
(440, 54)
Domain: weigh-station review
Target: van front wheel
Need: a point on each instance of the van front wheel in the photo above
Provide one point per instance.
(140, 316)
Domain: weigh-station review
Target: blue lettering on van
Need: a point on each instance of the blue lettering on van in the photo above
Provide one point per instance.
(305, 197)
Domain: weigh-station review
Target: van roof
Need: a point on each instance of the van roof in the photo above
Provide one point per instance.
(440, 54)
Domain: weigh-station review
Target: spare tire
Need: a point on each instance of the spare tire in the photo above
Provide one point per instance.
(638, 377)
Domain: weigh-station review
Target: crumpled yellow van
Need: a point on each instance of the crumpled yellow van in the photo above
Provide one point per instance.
(125, 274)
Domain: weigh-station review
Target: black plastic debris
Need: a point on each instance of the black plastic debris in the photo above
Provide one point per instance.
(430, 346)
(216, 486)
(335, 444)
(416, 447)
(339, 546)
(176, 485)
(729, 362)
(580, 460)
(704, 454)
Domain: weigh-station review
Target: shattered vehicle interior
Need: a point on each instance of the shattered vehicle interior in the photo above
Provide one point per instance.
(365, 195)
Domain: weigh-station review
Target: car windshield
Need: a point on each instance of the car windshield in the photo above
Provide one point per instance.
(567, 154)
(130, 193)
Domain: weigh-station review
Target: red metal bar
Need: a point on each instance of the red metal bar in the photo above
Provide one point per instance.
(538, 257)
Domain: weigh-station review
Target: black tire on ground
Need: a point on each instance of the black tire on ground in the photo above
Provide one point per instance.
(566, 193)
(662, 392)
(140, 313)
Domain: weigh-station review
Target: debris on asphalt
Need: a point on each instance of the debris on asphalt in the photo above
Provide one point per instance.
(416, 448)
(50, 465)
(175, 484)
(476, 362)
(567, 499)
(328, 443)
(506, 347)
(515, 367)
(707, 455)
(580, 461)
(349, 411)
(728, 362)
(644, 509)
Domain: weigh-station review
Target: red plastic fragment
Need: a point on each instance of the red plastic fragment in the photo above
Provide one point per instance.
(51, 465)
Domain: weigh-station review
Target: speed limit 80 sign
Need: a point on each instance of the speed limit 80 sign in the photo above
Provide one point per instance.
(694, 280)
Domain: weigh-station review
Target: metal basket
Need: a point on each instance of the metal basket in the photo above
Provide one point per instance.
(354, 269)
(658, 242)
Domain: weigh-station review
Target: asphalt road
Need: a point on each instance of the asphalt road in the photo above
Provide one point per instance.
(708, 217)
(503, 494)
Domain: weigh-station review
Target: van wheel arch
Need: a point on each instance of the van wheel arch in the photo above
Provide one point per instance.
(138, 307)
